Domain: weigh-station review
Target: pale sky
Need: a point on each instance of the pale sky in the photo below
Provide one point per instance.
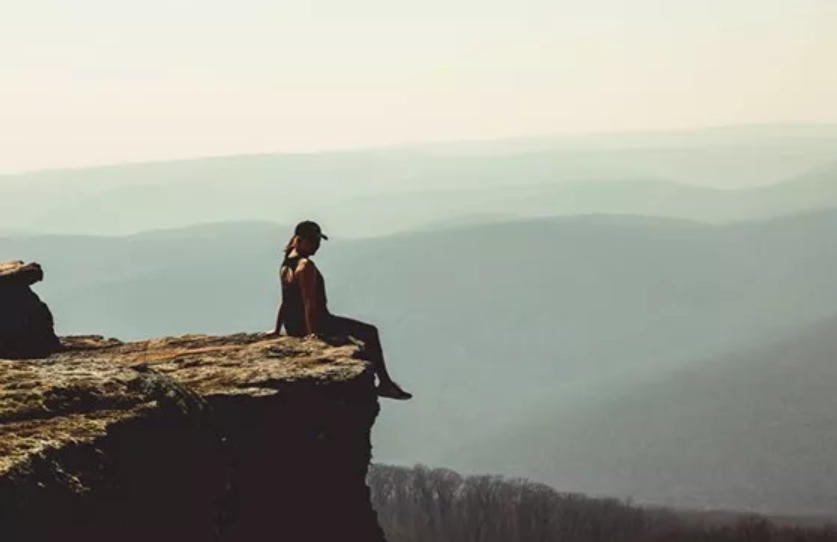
(87, 82)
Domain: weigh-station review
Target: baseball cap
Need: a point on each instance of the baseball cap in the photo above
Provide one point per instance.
(309, 229)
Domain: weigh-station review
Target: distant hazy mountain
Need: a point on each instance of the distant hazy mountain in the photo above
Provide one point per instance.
(491, 325)
(721, 157)
(386, 191)
(753, 428)
(780, 136)
(814, 190)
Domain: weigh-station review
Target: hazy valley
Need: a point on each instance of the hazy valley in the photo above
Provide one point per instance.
(719, 175)
(621, 322)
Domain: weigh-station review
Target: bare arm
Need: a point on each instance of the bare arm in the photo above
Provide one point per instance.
(285, 274)
(308, 286)
(278, 327)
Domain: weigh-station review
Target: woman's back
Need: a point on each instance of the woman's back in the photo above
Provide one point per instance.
(293, 307)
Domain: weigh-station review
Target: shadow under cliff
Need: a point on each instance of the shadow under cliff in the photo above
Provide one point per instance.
(236, 438)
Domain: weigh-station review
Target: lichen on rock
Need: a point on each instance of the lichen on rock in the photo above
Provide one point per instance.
(192, 438)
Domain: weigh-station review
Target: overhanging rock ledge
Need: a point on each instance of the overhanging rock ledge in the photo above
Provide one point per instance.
(194, 438)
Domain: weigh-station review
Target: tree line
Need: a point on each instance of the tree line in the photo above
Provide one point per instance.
(437, 505)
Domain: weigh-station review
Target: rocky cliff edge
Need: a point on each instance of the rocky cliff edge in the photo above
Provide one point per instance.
(192, 438)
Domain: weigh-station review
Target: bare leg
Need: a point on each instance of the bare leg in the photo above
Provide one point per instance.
(369, 336)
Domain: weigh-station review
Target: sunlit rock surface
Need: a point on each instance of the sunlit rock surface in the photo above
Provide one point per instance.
(192, 438)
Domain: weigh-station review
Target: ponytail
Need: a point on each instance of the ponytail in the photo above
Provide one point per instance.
(284, 272)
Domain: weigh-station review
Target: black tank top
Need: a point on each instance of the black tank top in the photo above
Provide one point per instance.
(293, 310)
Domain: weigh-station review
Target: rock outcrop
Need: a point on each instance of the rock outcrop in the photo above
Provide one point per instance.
(26, 324)
(238, 438)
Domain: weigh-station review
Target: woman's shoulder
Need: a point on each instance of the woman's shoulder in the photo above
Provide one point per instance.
(293, 263)
(299, 262)
(306, 264)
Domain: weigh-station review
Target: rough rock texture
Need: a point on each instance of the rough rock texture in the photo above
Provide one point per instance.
(26, 325)
(188, 439)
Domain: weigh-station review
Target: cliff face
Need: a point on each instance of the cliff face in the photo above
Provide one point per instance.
(188, 439)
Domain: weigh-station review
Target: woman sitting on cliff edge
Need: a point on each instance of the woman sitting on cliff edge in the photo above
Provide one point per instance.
(304, 311)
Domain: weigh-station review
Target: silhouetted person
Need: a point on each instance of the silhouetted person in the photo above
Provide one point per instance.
(304, 311)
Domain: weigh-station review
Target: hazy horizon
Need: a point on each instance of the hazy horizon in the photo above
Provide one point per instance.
(95, 83)
(433, 143)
